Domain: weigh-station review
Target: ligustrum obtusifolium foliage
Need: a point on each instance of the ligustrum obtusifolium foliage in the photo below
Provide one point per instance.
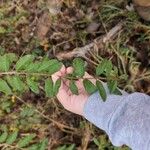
(13, 140)
(29, 73)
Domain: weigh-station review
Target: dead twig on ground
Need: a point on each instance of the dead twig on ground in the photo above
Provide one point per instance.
(98, 42)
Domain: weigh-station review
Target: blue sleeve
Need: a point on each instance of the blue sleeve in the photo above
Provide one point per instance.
(126, 118)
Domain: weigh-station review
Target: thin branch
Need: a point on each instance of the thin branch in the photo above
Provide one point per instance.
(4, 146)
(24, 73)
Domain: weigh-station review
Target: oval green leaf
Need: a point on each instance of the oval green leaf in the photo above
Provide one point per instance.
(108, 68)
(3, 137)
(26, 140)
(78, 67)
(89, 86)
(33, 67)
(5, 63)
(12, 138)
(43, 144)
(49, 88)
(57, 86)
(101, 90)
(24, 61)
(33, 85)
(12, 57)
(4, 87)
(101, 68)
(112, 86)
(50, 66)
(73, 87)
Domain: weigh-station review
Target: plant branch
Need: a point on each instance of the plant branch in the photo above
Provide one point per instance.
(4, 146)
(24, 73)
(63, 127)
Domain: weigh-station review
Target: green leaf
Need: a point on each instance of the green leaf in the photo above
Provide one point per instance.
(27, 112)
(89, 86)
(55, 68)
(5, 63)
(19, 85)
(78, 67)
(33, 85)
(26, 140)
(11, 82)
(50, 66)
(3, 137)
(104, 67)
(112, 85)
(4, 87)
(57, 86)
(101, 68)
(2, 30)
(12, 137)
(73, 87)
(33, 147)
(5, 105)
(96, 142)
(45, 64)
(43, 144)
(12, 57)
(49, 88)
(62, 147)
(16, 83)
(24, 61)
(109, 67)
(71, 147)
(101, 90)
(33, 67)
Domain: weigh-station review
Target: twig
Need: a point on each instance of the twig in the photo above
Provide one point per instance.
(87, 135)
(24, 73)
(4, 146)
(121, 58)
(141, 78)
(63, 127)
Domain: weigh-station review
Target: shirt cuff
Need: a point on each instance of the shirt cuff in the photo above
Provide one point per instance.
(99, 112)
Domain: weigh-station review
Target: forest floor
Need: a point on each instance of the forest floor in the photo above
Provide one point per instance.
(64, 31)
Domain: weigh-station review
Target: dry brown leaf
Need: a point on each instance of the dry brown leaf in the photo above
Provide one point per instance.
(92, 27)
(43, 26)
(25, 34)
(54, 6)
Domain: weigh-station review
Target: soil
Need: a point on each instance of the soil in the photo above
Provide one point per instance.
(34, 26)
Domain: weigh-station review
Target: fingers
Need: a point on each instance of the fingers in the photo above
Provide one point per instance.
(69, 70)
(86, 75)
(63, 96)
(64, 91)
(79, 83)
(63, 70)
(59, 74)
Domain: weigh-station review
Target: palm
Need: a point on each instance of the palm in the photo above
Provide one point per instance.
(71, 102)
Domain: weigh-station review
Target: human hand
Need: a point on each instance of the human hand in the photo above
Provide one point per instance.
(71, 102)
